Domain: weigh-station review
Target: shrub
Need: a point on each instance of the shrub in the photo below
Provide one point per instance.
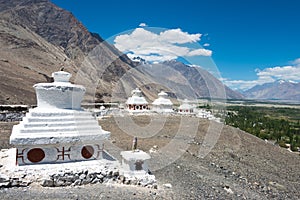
(281, 143)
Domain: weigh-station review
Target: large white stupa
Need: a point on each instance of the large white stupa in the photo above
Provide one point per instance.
(58, 130)
(136, 103)
(162, 104)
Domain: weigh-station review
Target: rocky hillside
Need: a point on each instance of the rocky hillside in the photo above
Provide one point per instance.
(38, 38)
(188, 81)
(278, 90)
(239, 166)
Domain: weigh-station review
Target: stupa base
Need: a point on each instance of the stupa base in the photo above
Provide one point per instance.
(62, 153)
(57, 136)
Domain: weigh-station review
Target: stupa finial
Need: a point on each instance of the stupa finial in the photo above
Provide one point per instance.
(134, 144)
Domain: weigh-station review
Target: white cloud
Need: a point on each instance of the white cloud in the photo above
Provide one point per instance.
(244, 84)
(203, 52)
(296, 62)
(177, 36)
(206, 45)
(285, 72)
(166, 45)
(267, 75)
(142, 25)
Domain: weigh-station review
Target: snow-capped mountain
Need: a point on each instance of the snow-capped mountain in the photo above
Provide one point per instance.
(278, 90)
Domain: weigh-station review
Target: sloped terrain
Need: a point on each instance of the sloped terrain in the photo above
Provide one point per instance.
(249, 166)
(239, 166)
(38, 38)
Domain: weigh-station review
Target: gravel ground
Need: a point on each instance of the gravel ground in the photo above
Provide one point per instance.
(239, 165)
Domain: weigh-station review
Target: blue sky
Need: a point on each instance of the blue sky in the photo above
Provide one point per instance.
(251, 41)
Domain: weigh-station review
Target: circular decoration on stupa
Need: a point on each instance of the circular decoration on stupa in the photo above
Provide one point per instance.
(87, 151)
(36, 155)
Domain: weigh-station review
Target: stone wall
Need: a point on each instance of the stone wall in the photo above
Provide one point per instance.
(11, 116)
(5, 131)
(66, 174)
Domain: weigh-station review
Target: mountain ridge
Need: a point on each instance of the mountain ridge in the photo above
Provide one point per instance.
(38, 38)
(189, 81)
(278, 90)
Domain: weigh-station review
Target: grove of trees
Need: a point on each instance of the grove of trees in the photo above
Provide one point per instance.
(279, 124)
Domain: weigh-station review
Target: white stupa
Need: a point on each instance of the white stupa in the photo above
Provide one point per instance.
(205, 114)
(58, 130)
(186, 108)
(162, 104)
(136, 103)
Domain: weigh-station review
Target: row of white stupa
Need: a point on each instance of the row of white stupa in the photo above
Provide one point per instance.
(137, 103)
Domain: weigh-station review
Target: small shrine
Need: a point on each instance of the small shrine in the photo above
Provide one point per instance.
(186, 108)
(162, 104)
(136, 103)
(58, 130)
(135, 162)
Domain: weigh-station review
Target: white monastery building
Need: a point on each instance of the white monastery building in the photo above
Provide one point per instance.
(136, 103)
(162, 104)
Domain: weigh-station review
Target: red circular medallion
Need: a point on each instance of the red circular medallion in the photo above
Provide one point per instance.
(87, 151)
(36, 155)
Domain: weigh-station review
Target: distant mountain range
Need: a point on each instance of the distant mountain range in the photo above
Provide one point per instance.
(38, 38)
(278, 90)
(187, 81)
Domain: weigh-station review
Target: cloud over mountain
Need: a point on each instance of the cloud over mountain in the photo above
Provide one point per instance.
(289, 72)
(165, 45)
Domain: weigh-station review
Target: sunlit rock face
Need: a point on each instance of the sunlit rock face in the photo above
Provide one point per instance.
(58, 130)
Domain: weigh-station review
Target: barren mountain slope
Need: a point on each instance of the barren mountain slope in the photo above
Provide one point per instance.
(37, 38)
